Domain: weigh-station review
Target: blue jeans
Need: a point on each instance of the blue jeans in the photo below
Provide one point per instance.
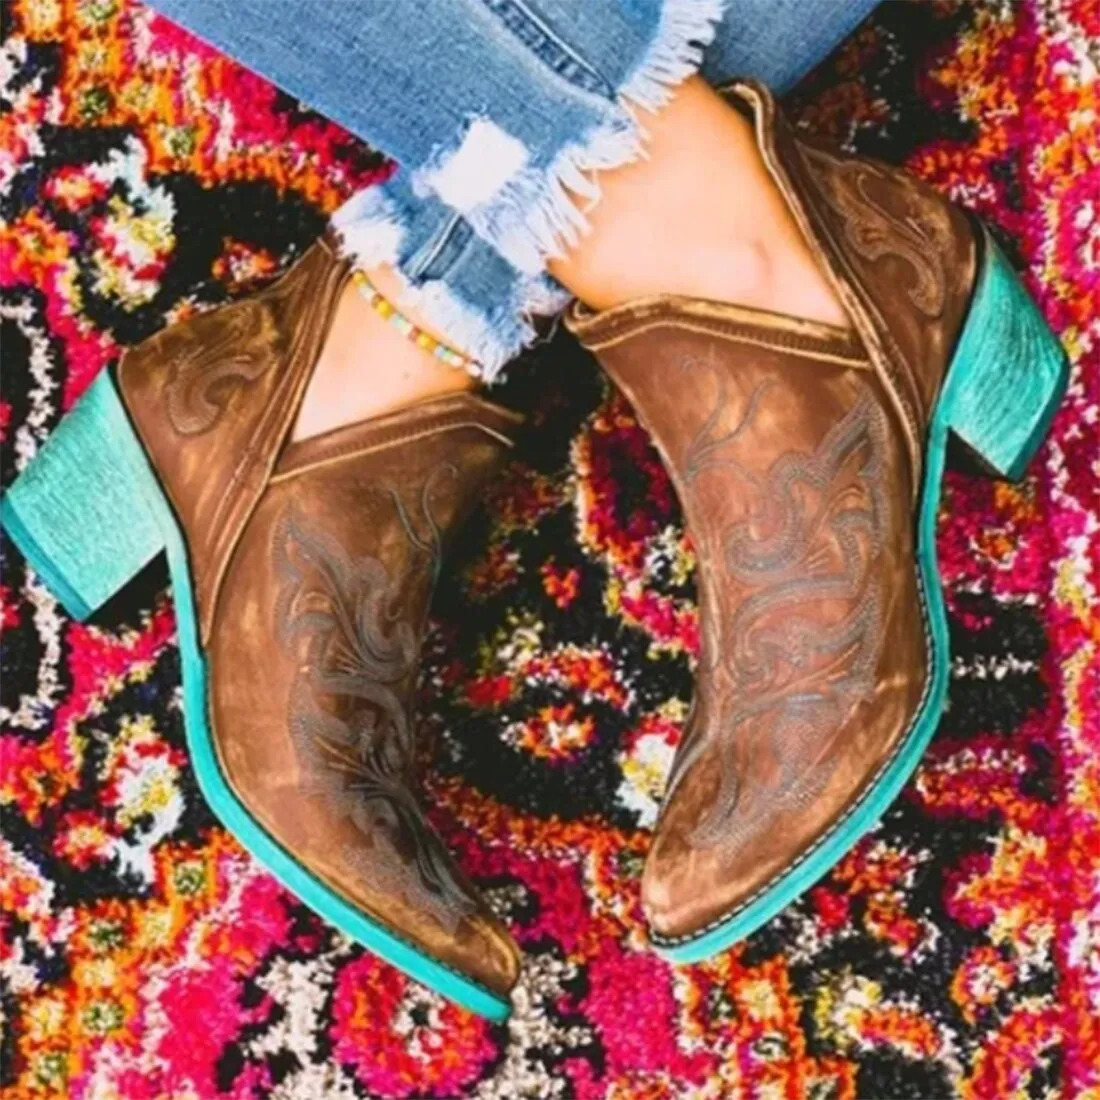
(495, 111)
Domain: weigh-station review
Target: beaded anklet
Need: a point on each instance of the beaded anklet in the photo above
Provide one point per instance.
(389, 312)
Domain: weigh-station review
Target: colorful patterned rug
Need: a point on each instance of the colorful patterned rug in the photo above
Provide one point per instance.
(955, 952)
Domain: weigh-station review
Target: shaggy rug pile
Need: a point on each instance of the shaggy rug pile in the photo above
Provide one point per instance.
(954, 952)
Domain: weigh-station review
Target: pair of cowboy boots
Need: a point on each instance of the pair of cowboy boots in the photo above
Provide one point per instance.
(808, 460)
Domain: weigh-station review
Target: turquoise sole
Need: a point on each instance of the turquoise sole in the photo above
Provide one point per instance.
(1007, 377)
(100, 422)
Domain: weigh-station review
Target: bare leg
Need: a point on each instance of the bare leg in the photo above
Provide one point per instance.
(368, 368)
(699, 216)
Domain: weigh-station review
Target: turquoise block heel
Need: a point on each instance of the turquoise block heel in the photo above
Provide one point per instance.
(79, 513)
(88, 513)
(1009, 373)
(1003, 387)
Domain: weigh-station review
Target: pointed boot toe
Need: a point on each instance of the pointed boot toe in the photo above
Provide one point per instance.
(302, 576)
(808, 460)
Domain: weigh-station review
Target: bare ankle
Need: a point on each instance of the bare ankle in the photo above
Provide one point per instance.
(700, 216)
(368, 368)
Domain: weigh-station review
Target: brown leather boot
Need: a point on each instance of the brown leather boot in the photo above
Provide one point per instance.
(302, 576)
(808, 461)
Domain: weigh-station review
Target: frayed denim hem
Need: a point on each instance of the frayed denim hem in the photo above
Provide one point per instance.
(482, 306)
(523, 215)
(538, 212)
(492, 334)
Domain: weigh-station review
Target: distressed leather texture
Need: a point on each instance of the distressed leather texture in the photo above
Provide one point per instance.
(315, 564)
(795, 449)
(902, 259)
(213, 399)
